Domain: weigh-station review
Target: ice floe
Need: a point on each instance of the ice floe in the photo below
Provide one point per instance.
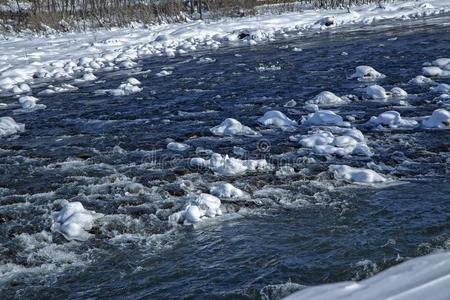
(324, 118)
(232, 127)
(440, 118)
(73, 221)
(356, 175)
(8, 126)
(390, 119)
(275, 118)
(367, 73)
(426, 277)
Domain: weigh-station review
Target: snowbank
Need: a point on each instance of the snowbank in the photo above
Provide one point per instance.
(8, 126)
(232, 127)
(355, 175)
(70, 55)
(73, 221)
(420, 278)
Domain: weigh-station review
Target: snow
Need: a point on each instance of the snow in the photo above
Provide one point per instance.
(129, 87)
(327, 98)
(434, 71)
(174, 146)
(277, 119)
(367, 73)
(28, 103)
(324, 118)
(8, 126)
(376, 92)
(391, 119)
(440, 118)
(232, 127)
(398, 92)
(356, 175)
(73, 221)
(71, 54)
(443, 63)
(426, 277)
(226, 190)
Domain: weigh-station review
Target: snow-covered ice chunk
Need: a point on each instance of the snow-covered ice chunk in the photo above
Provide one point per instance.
(391, 119)
(356, 175)
(311, 107)
(367, 73)
(432, 71)
(131, 86)
(164, 73)
(376, 92)
(276, 118)
(174, 146)
(443, 63)
(398, 92)
(226, 190)
(8, 126)
(421, 80)
(324, 118)
(232, 127)
(426, 277)
(73, 221)
(440, 118)
(200, 206)
(327, 98)
(290, 103)
(441, 88)
(29, 103)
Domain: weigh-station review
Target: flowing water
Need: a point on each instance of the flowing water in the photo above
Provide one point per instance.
(293, 230)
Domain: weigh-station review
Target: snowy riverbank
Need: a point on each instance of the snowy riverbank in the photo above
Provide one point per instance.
(25, 59)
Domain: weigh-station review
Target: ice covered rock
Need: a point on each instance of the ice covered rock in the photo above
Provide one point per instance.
(441, 88)
(326, 98)
(8, 126)
(232, 127)
(421, 80)
(174, 146)
(398, 92)
(276, 118)
(367, 73)
(324, 118)
(356, 175)
(426, 277)
(376, 92)
(433, 71)
(439, 119)
(391, 119)
(73, 221)
(226, 190)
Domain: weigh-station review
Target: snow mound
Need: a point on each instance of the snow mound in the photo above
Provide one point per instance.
(73, 221)
(349, 142)
(174, 146)
(276, 118)
(232, 127)
(391, 119)
(367, 73)
(28, 103)
(8, 126)
(200, 207)
(226, 190)
(229, 166)
(324, 118)
(397, 92)
(440, 118)
(426, 277)
(441, 88)
(356, 175)
(421, 80)
(327, 98)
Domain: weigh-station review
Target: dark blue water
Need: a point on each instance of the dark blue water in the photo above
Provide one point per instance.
(306, 229)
